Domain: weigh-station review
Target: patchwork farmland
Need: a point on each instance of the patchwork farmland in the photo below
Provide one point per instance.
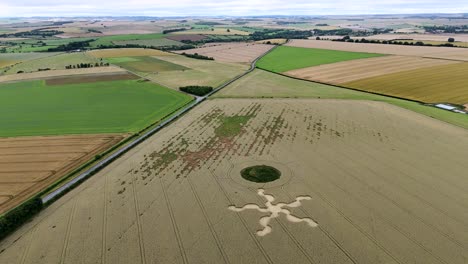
(169, 200)
(305, 156)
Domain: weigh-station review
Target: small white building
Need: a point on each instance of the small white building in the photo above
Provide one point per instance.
(446, 107)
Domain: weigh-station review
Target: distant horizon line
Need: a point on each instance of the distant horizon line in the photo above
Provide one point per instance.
(462, 15)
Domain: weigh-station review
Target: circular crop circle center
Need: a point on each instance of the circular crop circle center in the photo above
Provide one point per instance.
(260, 173)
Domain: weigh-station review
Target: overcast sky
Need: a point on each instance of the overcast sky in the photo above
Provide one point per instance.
(14, 8)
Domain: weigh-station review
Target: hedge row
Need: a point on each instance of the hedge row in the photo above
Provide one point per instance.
(197, 90)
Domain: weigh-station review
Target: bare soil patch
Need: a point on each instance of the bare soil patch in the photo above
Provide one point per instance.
(30, 164)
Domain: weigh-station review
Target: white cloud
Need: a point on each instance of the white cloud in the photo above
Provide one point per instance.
(224, 7)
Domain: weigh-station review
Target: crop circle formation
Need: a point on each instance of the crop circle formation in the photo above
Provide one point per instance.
(260, 173)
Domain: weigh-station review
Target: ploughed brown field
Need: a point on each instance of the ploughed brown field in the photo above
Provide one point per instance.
(231, 52)
(91, 78)
(30, 164)
(361, 182)
(460, 54)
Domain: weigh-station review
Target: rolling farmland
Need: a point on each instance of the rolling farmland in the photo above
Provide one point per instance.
(31, 164)
(286, 58)
(36, 108)
(431, 85)
(374, 190)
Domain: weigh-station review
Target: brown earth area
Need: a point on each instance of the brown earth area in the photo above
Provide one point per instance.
(30, 164)
(378, 187)
(231, 52)
(191, 37)
(460, 54)
(91, 78)
(341, 72)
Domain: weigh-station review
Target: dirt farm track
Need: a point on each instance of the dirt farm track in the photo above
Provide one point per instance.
(361, 182)
(30, 164)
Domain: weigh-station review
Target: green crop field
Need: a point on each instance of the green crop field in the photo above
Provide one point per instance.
(290, 58)
(145, 64)
(33, 108)
(263, 84)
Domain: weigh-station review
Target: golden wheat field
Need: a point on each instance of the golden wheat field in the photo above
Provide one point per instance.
(347, 71)
(361, 182)
(30, 164)
(430, 85)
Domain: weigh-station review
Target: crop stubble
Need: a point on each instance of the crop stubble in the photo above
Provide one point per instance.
(382, 191)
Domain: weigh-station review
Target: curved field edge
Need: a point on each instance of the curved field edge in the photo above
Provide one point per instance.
(101, 107)
(286, 58)
(264, 84)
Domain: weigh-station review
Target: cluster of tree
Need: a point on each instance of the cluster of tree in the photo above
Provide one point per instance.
(392, 42)
(197, 56)
(280, 33)
(167, 31)
(76, 45)
(163, 48)
(86, 65)
(231, 38)
(18, 216)
(91, 30)
(321, 25)
(447, 29)
(209, 23)
(197, 90)
(288, 23)
(32, 33)
(59, 23)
